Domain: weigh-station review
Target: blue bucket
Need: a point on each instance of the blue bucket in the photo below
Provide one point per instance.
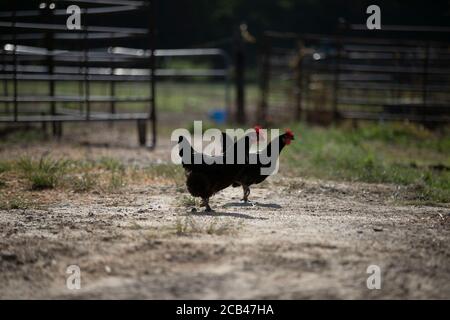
(219, 116)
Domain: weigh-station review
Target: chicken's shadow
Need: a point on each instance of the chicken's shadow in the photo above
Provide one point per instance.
(253, 204)
(225, 214)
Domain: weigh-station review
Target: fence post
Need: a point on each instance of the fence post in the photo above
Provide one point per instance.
(48, 13)
(239, 64)
(86, 79)
(15, 66)
(142, 132)
(342, 26)
(5, 81)
(152, 66)
(112, 91)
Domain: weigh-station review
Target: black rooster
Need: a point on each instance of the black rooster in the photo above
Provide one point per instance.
(207, 178)
(252, 172)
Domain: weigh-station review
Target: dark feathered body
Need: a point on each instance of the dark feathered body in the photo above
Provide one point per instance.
(203, 179)
(252, 173)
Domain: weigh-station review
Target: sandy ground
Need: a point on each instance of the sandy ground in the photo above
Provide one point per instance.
(302, 239)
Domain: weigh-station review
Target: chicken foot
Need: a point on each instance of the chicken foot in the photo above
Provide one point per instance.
(246, 190)
(205, 203)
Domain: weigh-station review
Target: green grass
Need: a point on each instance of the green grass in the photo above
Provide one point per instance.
(2, 183)
(111, 164)
(14, 203)
(84, 182)
(103, 175)
(187, 201)
(402, 154)
(392, 153)
(166, 171)
(43, 173)
(4, 166)
(117, 181)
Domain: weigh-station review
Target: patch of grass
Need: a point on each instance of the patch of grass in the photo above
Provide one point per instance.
(43, 173)
(117, 181)
(107, 174)
(14, 203)
(166, 171)
(84, 182)
(388, 153)
(111, 164)
(4, 166)
(187, 201)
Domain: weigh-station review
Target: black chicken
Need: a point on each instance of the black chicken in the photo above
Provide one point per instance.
(252, 172)
(207, 178)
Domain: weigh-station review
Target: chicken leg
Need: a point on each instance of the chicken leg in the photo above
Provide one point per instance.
(246, 190)
(205, 203)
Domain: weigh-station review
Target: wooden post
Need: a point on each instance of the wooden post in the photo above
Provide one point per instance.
(239, 64)
(342, 26)
(142, 132)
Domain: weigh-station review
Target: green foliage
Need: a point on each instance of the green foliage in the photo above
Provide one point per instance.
(111, 164)
(188, 201)
(4, 166)
(165, 171)
(43, 173)
(84, 182)
(14, 203)
(117, 181)
(394, 153)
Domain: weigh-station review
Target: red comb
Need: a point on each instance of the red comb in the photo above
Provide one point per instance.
(257, 128)
(289, 132)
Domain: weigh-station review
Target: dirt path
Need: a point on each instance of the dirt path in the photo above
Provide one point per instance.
(303, 239)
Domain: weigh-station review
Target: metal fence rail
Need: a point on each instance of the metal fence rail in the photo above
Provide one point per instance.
(39, 53)
(354, 77)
